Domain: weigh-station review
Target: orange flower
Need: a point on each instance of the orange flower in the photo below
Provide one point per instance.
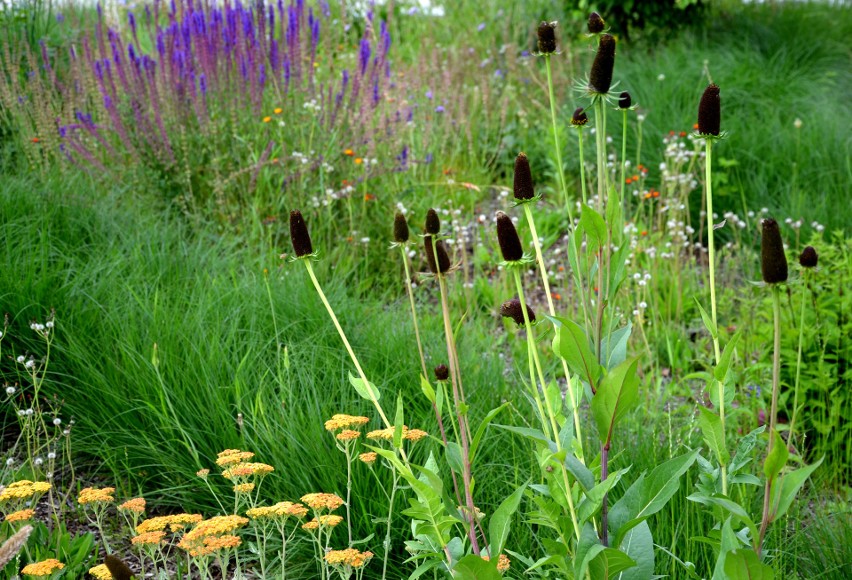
(278, 110)
(348, 152)
(556, 295)
(369, 197)
(628, 181)
(267, 119)
(358, 161)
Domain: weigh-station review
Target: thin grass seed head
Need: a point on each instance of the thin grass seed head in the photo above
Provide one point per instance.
(507, 236)
(523, 182)
(596, 23)
(547, 37)
(14, 544)
(579, 118)
(624, 100)
(773, 261)
(809, 257)
(600, 78)
(442, 373)
(710, 112)
(513, 309)
(439, 248)
(118, 568)
(400, 229)
(433, 222)
(299, 235)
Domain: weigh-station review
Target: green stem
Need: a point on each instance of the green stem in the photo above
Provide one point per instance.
(623, 153)
(582, 167)
(413, 311)
(600, 142)
(388, 533)
(556, 146)
(798, 364)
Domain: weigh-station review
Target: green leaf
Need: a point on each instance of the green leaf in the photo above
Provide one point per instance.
(593, 499)
(534, 434)
(367, 390)
(728, 542)
(480, 431)
(648, 495)
(742, 457)
(743, 564)
(639, 545)
(588, 547)
(777, 458)
(398, 421)
(724, 364)
(595, 227)
(784, 489)
(708, 322)
(615, 346)
(427, 389)
(617, 393)
(473, 567)
(453, 452)
(610, 563)
(501, 521)
(714, 434)
(581, 473)
(730, 506)
(572, 344)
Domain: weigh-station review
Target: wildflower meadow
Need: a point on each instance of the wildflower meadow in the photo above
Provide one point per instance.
(403, 289)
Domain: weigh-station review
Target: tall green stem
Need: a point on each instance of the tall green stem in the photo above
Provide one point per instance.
(413, 311)
(556, 145)
(798, 363)
(582, 167)
(390, 517)
(600, 142)
(623, 153)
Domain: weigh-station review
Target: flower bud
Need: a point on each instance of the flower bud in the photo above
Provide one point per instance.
(299, 235)
(442, 373)
(443, 257)
(400, 229)
(809, 257)
(513, 309)
(596, 23)
(433, 222)
(773, 262)
(624, 100)
(579, 118)
(507, 236)
(600, 78)
(547, 37)
(523, 178)
(709, 112)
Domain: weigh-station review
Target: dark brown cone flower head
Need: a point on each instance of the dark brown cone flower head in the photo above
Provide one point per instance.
(523, 178)
(596, 23)
(773, 262)
(443, 257)
(512, 309)
(710, 112)
(400, 228)
(624, 100)
(600, 79)
(299, 235)
(547, 37)
(809, 257)
(579, 118)
(433, 222)
(442, 373)
(118, 569)
(507, 236)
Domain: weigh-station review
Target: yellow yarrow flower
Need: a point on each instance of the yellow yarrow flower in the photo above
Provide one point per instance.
(247, 469)
(318, 501)
(135, 505)
(43, 568)
(412, 435)
(244, 487)
(173, 522)
(341, 421)
(202, 473)
(369, 457)
(148, 538)
(348, 435)
(348, 557)
(233, 458)
(96, 495)
(100, 572)
(20, 516)
(23, 489)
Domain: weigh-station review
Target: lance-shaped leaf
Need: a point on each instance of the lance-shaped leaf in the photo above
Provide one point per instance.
(501, 521)
(744, 564)
(366, 389)
(785, 488)
(572, 344)
(777, 458)
(714, 434)
(616, 395)
(639, 545)
(595, 227)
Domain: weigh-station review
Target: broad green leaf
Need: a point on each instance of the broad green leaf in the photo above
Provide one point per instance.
(714, 434)
(595, 227)
(553, 395)
(593, 499)
(427, 389)
(724, 364)
(473, 567)
(743, 564)
(581, 473)
(399, 421)
(615, 346)
(453, 452)
(708, 322)
(728, 542)
(785, 488)
(609, 563)
(588, 547)
(648, 495)
(367, 390)
(730, 506)
(639, 545)
(617, 393)
(501, 521)
(777, 458)
(480, 431)
(743, 455)
(572, 344)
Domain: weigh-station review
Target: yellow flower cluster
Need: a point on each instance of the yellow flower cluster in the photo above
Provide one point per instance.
(20, 516)
(233, 456)
(324, 521)
(213, 544)
(100, 572)
(348, 557)
(96, 495)
(23, 489)
(247, 469)
(174, 523)
(318, 501)
(244, 487)
(135, 505)
(282, 509)
(202, 473)
(339, 421)
(43, 568)
(503, 562)
(348, 435)
(369, 458)
(211, 535)
(412, 435)
(148, 538)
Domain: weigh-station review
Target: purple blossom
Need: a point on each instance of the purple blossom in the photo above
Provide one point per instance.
(439, 109)
(481, 27)
(364, 55)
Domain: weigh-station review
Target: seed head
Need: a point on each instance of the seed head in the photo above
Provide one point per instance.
(624, 100)
(400, 229)
(600, 78)
(117, 568)
(433, 222)
(523, 178)
(443, 257)
(773, 262)
(512, 309)
(709, 111)
(507, 236)
(547, 37)
(442, 373)
(299, 235)
(579, 118)
(809, 257)
(596, 23)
